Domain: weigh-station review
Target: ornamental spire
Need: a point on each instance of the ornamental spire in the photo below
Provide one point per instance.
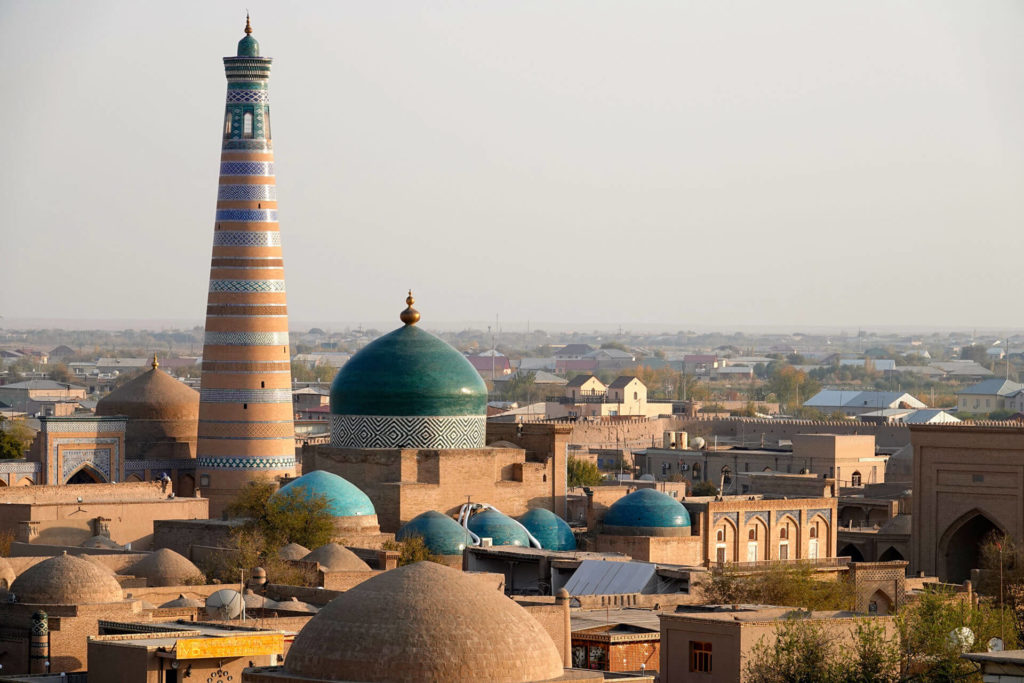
(156, 363)
(410, 316)
(248, 26)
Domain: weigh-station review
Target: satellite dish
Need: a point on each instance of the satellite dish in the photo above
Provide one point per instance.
(698, 442)
(995, 644)
(646, 477)
(961, 638)
(224, 605)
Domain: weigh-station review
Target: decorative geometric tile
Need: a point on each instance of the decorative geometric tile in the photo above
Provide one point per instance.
(71, 460)
(19, 467)
(734, 516)
(264, 168)
(239, 238)
(247, 339)
(378, 431)
(247, 192)
(247, 463)
(251, 286)
(180, 464)
(793, 514)
(824, 512)
(751, 515)
(245, 396)
(260, 430)
(247, 96)
(251, 145)
(247, 215)
(83, 426)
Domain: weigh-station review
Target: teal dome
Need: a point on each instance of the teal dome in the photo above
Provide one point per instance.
(440, 533)
(501, 529)
(344, 498)
(647, 508)
(248, 47)
(408, 372)
(550, 529)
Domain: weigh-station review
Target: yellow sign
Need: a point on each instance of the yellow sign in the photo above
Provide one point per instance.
(230, 646)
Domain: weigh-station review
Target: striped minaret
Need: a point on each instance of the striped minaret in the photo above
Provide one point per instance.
(245, 410)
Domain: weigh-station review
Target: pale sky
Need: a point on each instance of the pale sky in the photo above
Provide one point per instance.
(690, 164)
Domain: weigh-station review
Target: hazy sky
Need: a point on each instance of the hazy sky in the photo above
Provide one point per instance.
(687, 163)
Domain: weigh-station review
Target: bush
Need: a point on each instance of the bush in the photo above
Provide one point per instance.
(288, 517)
(704, 488)
(583, 473)
(411, 550)
(790, 585)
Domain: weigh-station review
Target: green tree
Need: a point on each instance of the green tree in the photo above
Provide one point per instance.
(290, 516)
(791, 585)
(15, 438)
(521, 387)
(411, 550)
(61, 373)
(583, 473)
(704, 488)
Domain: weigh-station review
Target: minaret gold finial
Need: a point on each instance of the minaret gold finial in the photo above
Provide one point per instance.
(410, 316)
(248, 27)
(156, 363)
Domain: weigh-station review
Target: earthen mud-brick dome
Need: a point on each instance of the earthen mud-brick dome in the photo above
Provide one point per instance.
(293, 551)
(163, 416)
(66, 580)
(165, 567)
(336, 558)
(424, 622)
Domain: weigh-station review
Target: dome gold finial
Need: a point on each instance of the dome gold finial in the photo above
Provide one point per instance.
(410, 316)
(248, 27)
(156, 363)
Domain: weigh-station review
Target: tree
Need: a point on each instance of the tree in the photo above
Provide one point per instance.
(583, 473)
(283, 517)
(974, 352)
(410, 550)
(61, 373)
(792, 585)
(15, 438)
(520, 387)
(704, 488)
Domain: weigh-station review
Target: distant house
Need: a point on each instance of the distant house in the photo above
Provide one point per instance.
(540, 378)
(965, 369)
(879, 364)
(987, 396)
(855, 403)
(573, 351)
(490, 364)
(587, 397)
(42, 397)
(909, 416)
(62, 352)
(334, 359)
(612, 359)
(700, 364)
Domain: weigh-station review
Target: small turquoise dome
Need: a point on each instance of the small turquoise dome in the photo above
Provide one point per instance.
(647, 508)
(247, 46)
(344, 498)
(440, 533)
(408, 372)
(550, 529)
(500, 528)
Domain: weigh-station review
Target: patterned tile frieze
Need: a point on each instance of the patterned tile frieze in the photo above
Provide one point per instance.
(747, 516)
(242, 238)
(19, 467)
(252, 193)
(83, 426)
(734, 516)
(257, 430)
(824, 512)
(247, 215)
(245, 395)
(248, 263)
(376, 431)
(72, 459)
(182, 464)
(248, 145)
(247, 338)
(247, 96)
(251, 286)
(795, 514)
(257, 310)
(265, 168)
(247, 463)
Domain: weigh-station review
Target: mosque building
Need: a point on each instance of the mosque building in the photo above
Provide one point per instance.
(246, 429)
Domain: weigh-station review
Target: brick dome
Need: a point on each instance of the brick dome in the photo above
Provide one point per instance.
(424, 622)
(336, 558)
(165, 567)
(293, 551)
(66, 580)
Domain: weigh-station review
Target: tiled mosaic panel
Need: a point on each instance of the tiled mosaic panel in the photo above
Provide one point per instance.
(245, 395)
(71, 460)
(247, 286)
(247, 96)
(84, 426)
(247, 215)
(247, 192)
(256, 463)
(241, 238)
(376, 431)
(247, 168)
(246, 338)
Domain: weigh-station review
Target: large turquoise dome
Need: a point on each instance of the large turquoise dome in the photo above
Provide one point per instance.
(647, 512)
(343, 497)
(501, 529)
(550, 529)
(440, 533)
(408, 389)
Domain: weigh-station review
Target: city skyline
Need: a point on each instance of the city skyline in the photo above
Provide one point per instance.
(650, 165)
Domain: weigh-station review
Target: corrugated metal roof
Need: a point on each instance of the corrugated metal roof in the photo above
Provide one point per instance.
(993, 387)
(596, 577)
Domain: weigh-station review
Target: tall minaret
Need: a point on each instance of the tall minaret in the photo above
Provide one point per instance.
(246, 430)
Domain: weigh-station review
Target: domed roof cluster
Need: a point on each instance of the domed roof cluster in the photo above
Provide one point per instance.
(344, 498)
(551, 530)
(153, 395)
(434, 623)
(165, 567)
(440, 533)
(501, 529)
(646, 509)
(336, 558)
(66, 580)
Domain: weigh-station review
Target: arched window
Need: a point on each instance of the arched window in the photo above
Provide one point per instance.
(247, 124)
(720, 536)
(695, 472)
(636, 396)
(227, 124)
(784, 533)
(855, 479)
(726, 476)
(814, 530)
(752, 534)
